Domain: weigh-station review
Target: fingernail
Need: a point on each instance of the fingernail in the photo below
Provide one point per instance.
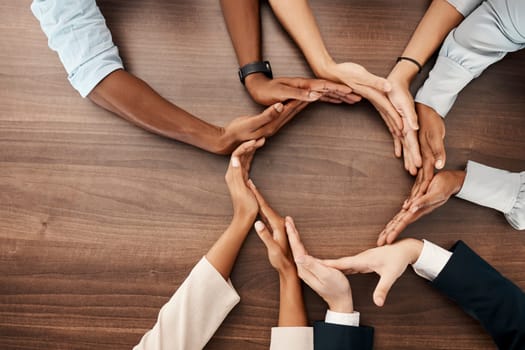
(235, 162)
(259, 226)
(278, 107)
(250, 182)
(314, 95)
(414, 209)
(439, 164)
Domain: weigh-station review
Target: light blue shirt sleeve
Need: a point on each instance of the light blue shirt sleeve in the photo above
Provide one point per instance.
(492, 29)
(77, 31)
(497, 189)
(465, 7)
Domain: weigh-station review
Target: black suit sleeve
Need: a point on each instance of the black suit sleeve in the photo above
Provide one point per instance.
(329, 336)
(485, 294)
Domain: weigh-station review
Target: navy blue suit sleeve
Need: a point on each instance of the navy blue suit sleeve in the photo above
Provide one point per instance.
(485, 294)
(329, 336)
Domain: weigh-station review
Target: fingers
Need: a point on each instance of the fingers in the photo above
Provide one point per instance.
(269, 114)
(290, 110)
(286, 92)
(264, 234)
(298, 249)
(350, 264)
(412, 147)
(394, 228)
(398, 148)
(383, 287)
(268, 214)
(437, 147)
(409, 112)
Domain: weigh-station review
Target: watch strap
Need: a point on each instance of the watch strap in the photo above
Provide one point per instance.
(255, 67)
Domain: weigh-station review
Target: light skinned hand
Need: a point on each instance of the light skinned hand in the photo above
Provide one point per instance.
(371, 87)
(389, 262)
(431, 140)
(267, 91)
(237, 176)
(272, 233)
(444, 184)
(330, 283)
(262, 125)
(403, 102)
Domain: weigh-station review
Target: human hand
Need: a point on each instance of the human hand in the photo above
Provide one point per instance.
(403, 102)
(371, 87)
(244, 202)
(330, 283)
(431, 139)
(272, 233)
(262, 125)
(389, 262)
(445, 184)
(267, 91)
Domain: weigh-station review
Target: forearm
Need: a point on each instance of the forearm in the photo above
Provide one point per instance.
(440, 18)
(292, 311)
(244, 25)
(134, 100)
(297, 18)
(223, 253)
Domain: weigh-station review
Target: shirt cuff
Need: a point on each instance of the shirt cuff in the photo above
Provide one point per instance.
(443, 85)
(343, 319)
(291, 338)
(431, 261)
(490, 187)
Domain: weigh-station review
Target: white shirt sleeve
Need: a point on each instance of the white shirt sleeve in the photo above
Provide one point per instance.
(77, 31)
(483, 38)
(465, 7)
(193, 314)
(344, 319)
(497, 189)
(292, 338)
(431, 261)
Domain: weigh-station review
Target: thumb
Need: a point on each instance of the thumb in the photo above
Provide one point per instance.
(269, 114)
(264, 234)
(382, 289)
(437, 145)
(410, 113)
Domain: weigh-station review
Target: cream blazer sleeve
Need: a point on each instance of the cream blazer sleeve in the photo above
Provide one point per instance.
(292, 338)
(193, 314)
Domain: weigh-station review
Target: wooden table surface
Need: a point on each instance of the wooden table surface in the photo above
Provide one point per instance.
(100, 221)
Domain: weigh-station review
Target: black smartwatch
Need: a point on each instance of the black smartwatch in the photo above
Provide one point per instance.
(255, 67)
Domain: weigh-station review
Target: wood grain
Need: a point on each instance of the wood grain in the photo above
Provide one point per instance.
(100, 221)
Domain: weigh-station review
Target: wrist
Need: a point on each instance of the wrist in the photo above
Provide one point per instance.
(325, 68)
(288, 274)
(343, 305)
(459, 177)
(243, 219)
(415, 247)
(403, 72)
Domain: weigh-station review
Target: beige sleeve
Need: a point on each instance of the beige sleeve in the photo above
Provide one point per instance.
(292, 338)
(193, 314)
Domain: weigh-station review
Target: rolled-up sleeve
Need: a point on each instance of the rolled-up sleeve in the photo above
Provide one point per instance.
(465, 7)
(77, 31)
(483, 38)
(497, 189)
(193, 314)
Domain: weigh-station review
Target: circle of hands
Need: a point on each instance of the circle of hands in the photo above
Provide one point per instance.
(418, 135)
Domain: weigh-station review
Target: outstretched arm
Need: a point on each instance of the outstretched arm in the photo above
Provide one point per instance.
(198, 307)
(77, 31)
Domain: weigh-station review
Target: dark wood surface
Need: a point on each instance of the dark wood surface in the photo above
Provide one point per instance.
(100, 221)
